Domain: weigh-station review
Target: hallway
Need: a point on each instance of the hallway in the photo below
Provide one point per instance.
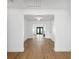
(42, 49)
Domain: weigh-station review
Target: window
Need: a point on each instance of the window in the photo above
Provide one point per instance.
(39, 30)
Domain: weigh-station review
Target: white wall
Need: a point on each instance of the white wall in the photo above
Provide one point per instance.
(30, 25)
(25, 29)
(15, 28)
(63, 29)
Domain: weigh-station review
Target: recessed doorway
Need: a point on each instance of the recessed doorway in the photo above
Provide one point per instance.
(38, 25)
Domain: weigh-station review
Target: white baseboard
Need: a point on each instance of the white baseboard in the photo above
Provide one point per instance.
(16, 50)
(62, 50)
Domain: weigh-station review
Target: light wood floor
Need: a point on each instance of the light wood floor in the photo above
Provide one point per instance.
(42, 49)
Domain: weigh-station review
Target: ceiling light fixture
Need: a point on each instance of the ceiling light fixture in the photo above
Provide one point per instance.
(38, 18)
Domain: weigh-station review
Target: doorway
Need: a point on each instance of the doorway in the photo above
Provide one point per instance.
(38, 25)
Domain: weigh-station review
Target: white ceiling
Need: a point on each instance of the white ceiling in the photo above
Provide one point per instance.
(44, 17)
(27, 4)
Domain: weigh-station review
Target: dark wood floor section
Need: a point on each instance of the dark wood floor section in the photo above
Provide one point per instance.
(42, 50)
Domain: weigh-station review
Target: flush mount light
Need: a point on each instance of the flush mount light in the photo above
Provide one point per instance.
(38, 18)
